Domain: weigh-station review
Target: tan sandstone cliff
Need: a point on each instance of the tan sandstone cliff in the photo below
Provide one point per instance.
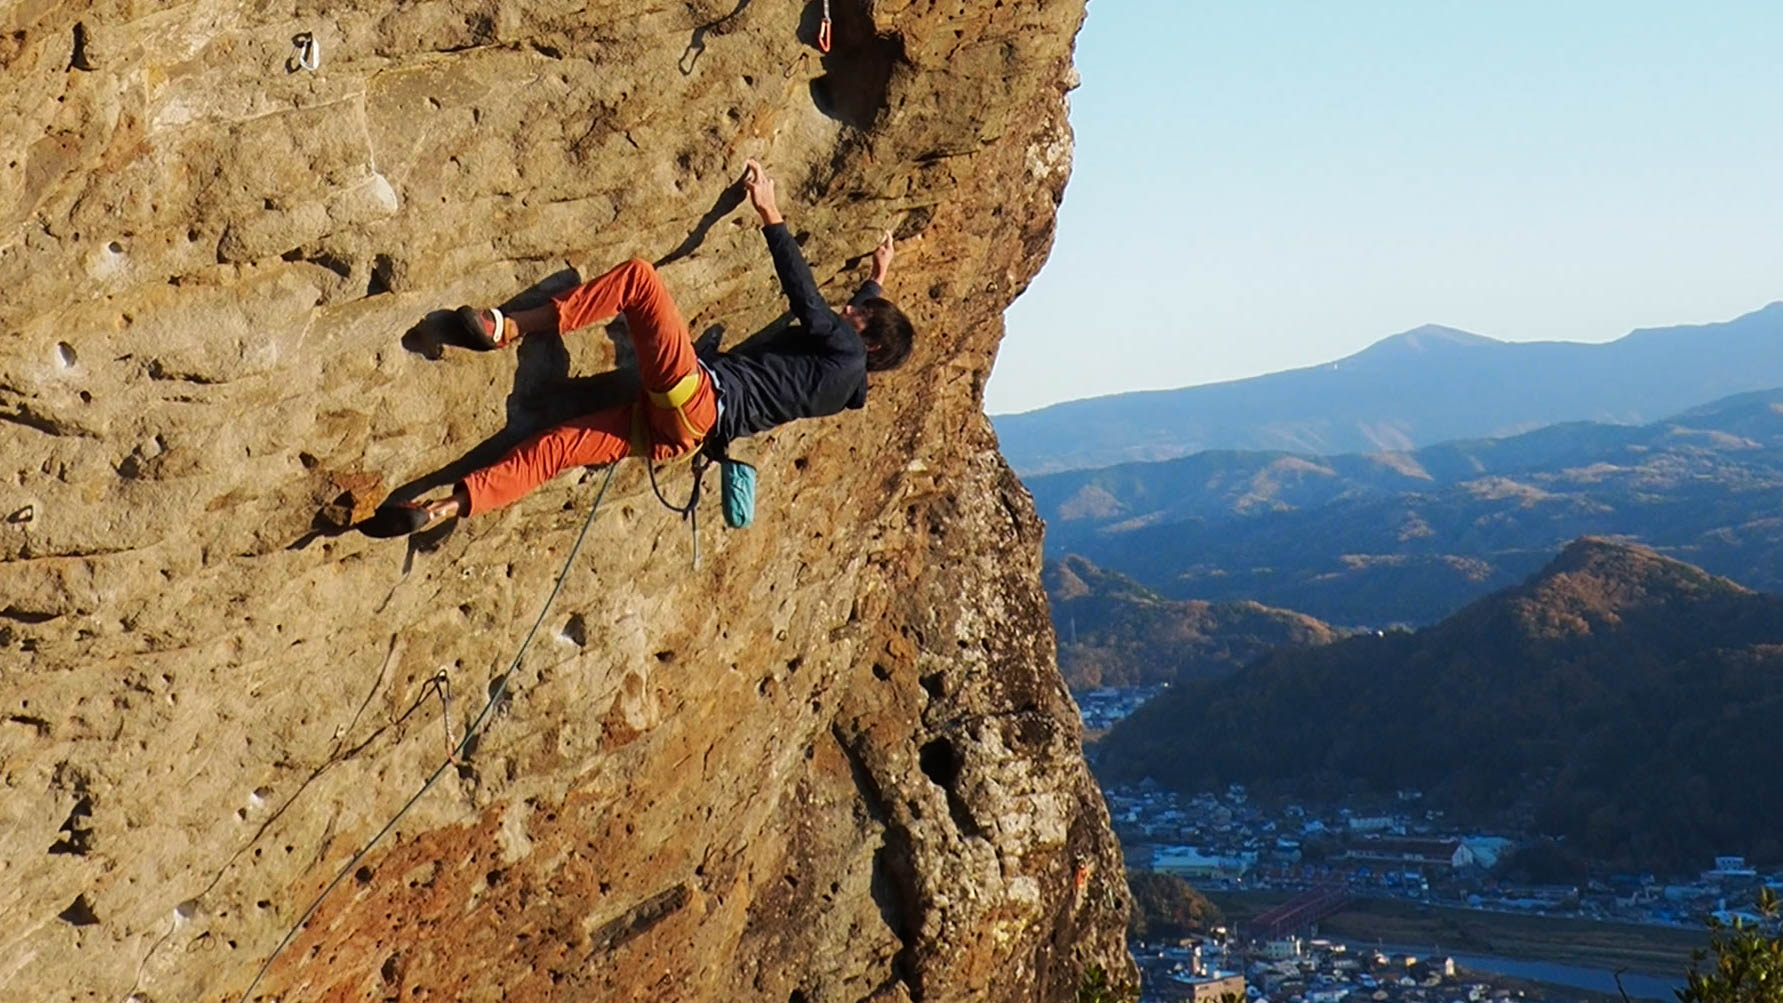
(835, 762)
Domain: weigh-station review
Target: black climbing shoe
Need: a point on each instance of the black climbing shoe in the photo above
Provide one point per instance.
(398, 519)
(487, 329)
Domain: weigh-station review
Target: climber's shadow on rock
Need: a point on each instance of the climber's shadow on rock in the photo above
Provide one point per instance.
(545, 395)
(726, 203)
(696, 46)
(858, 68)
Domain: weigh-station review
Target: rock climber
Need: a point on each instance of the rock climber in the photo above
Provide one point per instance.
(817, 367)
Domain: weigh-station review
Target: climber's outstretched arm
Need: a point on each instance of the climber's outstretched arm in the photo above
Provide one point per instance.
(808, 307)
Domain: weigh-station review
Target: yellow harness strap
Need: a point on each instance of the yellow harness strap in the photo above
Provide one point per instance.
(679, 394)
(675, 398)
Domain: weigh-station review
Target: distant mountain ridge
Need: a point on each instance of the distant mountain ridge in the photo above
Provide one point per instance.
(1424, 386)
(1429, 337)
(1618, 698)
(1374, 539)
(1115, 632)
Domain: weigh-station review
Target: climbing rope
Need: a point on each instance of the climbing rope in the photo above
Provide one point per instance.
(823, 29)
(452, 757)
(691, 510)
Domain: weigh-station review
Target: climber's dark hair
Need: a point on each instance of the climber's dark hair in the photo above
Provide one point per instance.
(887, 333)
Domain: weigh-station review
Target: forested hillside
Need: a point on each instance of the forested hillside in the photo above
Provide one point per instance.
(1618, 698)
(1115, 632)
(1377, 539)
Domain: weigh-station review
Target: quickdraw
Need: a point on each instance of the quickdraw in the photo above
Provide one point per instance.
(309, 52)
(823, 29)
(442, 687)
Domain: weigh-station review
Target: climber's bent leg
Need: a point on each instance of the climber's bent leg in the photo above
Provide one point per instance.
(591, 440)
(658, 332)
(682, 407)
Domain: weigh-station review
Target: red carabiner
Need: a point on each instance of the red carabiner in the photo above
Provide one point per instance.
(823, 36)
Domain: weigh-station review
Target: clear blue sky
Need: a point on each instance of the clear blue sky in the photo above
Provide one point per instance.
(1265, 185)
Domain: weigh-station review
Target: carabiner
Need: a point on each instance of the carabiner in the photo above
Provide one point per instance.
(823, 30)
(309, 51)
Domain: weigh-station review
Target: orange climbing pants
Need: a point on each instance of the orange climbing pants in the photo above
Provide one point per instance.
(671, 416)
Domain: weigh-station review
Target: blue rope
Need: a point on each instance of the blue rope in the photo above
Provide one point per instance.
(501, 689)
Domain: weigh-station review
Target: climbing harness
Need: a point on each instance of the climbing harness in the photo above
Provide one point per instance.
(309, 52)
(736, 489)
(823, 29)
(459, 751)
(738, 477)
(676, 397)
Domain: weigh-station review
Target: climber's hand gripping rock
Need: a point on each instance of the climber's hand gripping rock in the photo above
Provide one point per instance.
(761, 193)
(882, 258)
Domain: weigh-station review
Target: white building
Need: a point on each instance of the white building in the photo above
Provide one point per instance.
(1370, 823)
(1282, 950)
(1731, 869)
(1486, 849)
(1189, 862)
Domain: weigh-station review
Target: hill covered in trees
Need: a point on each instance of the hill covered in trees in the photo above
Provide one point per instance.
(1384, 538)
(1623, 700)
(1114, 631)
(1166, 907)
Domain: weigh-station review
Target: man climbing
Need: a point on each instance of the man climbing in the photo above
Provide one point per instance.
(816, 368)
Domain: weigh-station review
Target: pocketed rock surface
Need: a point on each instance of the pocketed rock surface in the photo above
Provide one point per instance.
(835, 761)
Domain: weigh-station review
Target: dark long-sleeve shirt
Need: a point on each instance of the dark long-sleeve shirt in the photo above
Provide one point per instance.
(816, 367)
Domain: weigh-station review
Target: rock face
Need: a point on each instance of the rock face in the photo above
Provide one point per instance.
(834, 762)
